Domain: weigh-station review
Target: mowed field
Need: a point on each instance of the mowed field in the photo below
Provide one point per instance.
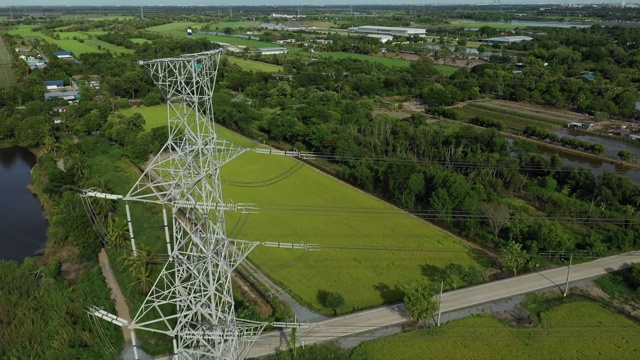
(254, 65)
(66, 41)
(578, 330)
(6, 73)
(447, 70)
(180, 29)
(369, 249)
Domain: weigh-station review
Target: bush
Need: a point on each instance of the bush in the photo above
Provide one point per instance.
(152, 98)
(442, 111)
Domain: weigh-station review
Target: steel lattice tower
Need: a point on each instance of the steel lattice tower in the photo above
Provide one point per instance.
(192, 299)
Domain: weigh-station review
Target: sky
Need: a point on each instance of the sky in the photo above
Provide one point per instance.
(19, 3)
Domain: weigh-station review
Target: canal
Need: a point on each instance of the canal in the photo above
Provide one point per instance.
(23, 228)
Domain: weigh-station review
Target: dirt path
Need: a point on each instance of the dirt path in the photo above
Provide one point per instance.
(122, 310)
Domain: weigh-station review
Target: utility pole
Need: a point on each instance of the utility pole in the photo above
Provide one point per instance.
(230, 13)
(141, 13)
(440, 302)
(566, 286)
(192, 300)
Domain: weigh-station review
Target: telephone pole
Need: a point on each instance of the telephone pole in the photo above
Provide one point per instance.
(440, 302)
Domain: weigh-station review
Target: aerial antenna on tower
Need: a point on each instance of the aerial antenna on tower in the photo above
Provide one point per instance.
(141, 13)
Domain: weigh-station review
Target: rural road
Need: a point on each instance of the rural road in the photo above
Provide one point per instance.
(452, 300)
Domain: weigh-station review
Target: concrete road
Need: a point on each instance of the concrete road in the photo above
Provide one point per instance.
(453, 300)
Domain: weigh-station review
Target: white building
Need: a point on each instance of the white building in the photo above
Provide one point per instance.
(272, 50)
(387, 30)
(383, 38)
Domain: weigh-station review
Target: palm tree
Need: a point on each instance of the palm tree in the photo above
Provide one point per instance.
(118, 232)
(142, 279)
(143, 258)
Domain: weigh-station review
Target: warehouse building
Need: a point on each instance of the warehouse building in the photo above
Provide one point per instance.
(387, 30)
(272, 50)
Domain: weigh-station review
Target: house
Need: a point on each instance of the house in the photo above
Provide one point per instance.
(270, 26)
(287, 41)
(53, 84)
(65, 55)
(65, 95)
(272, 50)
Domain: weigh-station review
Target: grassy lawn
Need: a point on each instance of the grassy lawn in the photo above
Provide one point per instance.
(369, 248)
(235, 25)
(577, 330)
(66, 41)
(447, 70)
(139, 40)
(254, 65)
(179, 29)
(6, 73)
(176, 28)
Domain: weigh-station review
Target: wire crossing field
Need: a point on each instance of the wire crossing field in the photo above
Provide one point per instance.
(6, 73)
(578, 330)
(369, 248)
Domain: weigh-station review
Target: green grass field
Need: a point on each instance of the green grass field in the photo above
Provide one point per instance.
(179, 29)
(235, 25)
(176, 28)
(6, 73)
(577, 330)
(387, 61)
(254, 65)
(369, 248)
(66, 41)
(139, 40)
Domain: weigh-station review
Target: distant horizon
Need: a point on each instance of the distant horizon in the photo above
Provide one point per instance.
(240, 3)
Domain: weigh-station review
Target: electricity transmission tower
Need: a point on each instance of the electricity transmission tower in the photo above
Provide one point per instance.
(192, 299)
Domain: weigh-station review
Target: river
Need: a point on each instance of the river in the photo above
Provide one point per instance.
(23, 228)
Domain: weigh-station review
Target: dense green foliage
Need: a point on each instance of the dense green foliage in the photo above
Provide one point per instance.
(43, 312)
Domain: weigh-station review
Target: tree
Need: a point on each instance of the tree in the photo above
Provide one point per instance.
(513, 257)
(624, 155)
(453, 275)
(118, 232)
(331, 300)
(420, 301)
(142, 279)
(498, 216)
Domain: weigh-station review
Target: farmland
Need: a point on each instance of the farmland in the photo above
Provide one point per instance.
(6, 73)
(577, 330)
(369, 248)
(517, 116)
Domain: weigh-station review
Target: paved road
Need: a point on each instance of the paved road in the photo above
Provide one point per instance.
(458, 299)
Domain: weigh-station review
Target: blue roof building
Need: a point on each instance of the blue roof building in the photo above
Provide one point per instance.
(62, 53)
(58, 83)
